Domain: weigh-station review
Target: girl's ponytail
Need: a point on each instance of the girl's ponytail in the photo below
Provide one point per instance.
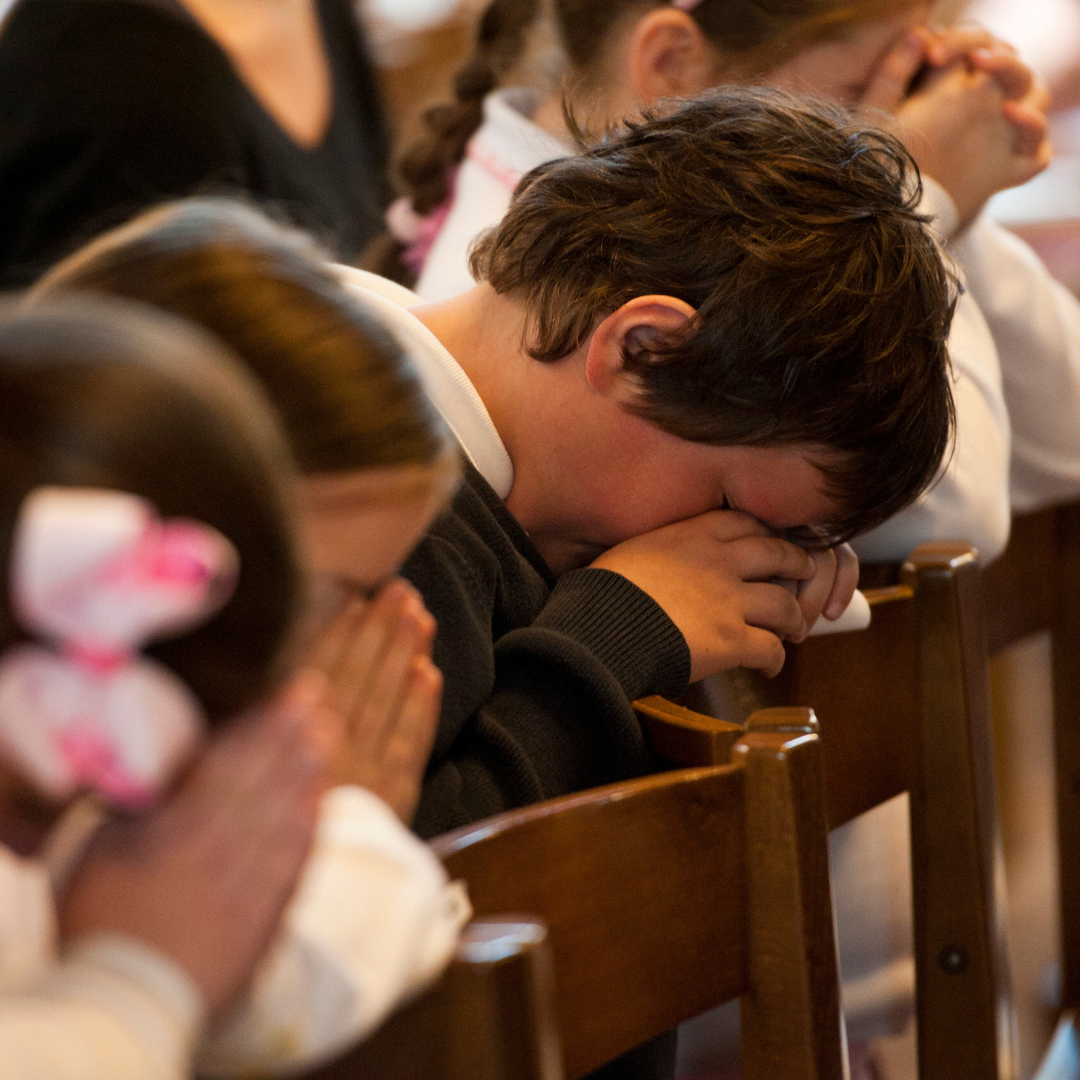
(427, 168)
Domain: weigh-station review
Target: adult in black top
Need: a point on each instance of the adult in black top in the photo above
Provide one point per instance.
(110, 106)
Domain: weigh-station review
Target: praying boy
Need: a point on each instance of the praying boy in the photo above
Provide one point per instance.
(701, 357)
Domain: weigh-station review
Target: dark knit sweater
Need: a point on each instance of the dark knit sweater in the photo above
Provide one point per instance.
(111, 106)
(539, 674)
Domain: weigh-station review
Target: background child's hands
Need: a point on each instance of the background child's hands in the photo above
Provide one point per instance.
(206, 876)
(1027, 100)
(976, 121)
(377, 656)
(1027, 97)
(718, 577)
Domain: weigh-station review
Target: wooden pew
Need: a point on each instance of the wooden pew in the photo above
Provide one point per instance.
(904, 706)
(668, 895)
(490, 1016)
(1033, 587)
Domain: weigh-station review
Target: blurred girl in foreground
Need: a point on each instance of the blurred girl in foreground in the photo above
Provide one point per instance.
(148, 497)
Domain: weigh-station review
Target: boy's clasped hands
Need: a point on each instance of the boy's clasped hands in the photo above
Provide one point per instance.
(734, 589)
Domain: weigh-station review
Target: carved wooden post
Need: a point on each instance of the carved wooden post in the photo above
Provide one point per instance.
(792, 939)
(963, 997)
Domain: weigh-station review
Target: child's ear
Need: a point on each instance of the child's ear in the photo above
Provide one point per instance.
(669, 57)
(634, 328)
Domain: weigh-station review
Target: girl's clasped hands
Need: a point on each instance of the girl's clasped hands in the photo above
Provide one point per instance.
(971, 112)
(230, 841)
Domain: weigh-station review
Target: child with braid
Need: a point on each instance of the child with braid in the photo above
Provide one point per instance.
(460, 175)
(971, 115)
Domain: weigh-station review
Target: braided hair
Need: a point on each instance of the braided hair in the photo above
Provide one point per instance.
(763, 31)
(500, 41)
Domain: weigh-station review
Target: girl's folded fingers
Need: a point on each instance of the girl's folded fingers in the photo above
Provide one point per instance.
(387, 684)
(405, 755)
(329, 649)
(363, 652)
(411, 735)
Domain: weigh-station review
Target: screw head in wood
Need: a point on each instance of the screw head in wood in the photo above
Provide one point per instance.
(953, 959)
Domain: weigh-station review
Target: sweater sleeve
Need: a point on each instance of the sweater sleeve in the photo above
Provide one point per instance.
(109, 107)
(537, 707)
(112, 1009)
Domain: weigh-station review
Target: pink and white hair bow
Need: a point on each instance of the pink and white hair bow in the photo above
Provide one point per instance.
(417, 233)
(98, 574)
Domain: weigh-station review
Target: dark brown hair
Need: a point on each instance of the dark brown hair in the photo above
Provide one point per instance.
(100, 393)
(347, 395)
(759, 31)
(822, 302)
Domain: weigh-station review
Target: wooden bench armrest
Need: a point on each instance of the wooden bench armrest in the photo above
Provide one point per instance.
(686, 738)
(692, 739)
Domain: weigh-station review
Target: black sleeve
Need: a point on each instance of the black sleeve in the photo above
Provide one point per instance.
(108, 107)
(539, 710)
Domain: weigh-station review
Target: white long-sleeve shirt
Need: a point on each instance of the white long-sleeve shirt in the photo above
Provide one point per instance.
(374, 920)
(107, 1009)
(1035, 322)
(971, 499)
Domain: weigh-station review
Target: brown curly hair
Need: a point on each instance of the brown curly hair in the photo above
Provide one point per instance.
(823, 305)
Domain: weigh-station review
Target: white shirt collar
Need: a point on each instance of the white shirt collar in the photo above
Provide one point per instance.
(508, 144)
(445, 382)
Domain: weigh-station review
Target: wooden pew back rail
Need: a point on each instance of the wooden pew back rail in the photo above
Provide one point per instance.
(668, 895)
(904, 707)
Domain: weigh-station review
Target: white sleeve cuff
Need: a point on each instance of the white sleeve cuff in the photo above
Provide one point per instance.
(111, 1009)
(937, 203)
(148, 993)
(373, 922)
